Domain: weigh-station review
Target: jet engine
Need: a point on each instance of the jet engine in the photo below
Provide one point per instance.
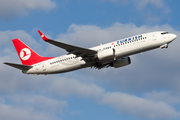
(121, 62)
(106, 54)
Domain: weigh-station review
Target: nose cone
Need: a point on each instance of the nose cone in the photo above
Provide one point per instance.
(173, 36)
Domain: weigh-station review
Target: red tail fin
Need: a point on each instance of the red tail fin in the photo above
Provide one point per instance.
(26, 54)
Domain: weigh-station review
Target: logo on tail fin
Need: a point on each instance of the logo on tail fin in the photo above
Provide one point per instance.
(25, 54)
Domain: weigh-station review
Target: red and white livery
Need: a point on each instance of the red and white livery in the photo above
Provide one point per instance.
(114, 54)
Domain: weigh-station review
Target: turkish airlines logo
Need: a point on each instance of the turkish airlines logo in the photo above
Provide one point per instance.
(25, 54)
(42, 35)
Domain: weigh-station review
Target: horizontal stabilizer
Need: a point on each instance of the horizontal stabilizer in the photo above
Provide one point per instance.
(19, 66)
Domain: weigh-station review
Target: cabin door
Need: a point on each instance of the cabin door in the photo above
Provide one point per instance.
(154, 36)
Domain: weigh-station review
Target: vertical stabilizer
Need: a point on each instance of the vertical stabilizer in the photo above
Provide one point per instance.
(26, 54)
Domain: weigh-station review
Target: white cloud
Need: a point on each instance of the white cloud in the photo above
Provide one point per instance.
(124, 103)
(164, 96)
(60, 87)
(13, 113)
(7, 36)
(140, 107)
(144, 3)
(122, 2)
(139, 3)
(39, 103)
(12, 8)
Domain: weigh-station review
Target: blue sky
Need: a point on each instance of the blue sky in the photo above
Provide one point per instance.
(146, 89)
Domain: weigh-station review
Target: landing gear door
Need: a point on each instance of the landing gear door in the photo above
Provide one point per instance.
(154, 36)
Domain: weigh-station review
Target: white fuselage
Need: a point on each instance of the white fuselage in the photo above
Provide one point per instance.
(123, 48)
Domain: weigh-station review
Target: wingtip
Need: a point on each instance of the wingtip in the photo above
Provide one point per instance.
(16, 39)
(43, 36)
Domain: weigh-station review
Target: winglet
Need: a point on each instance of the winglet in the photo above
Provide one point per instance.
(43, 36)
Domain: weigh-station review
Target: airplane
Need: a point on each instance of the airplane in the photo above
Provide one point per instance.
(114, 54)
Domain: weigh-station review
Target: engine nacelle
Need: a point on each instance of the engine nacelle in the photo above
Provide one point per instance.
(105, 54)
(121, 62)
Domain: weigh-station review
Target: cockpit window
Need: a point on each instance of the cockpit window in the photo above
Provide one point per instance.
(164, 33)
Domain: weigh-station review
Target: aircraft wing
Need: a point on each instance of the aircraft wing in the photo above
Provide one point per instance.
(78, 51)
